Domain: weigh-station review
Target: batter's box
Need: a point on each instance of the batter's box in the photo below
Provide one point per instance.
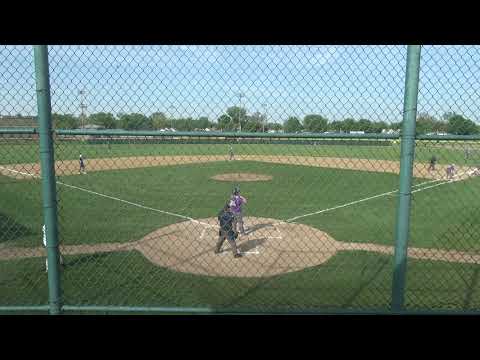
(257, 233)
(245, 245)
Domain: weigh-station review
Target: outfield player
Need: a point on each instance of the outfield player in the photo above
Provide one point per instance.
(225, 219)
(236, 202)
(433, 161)
(230, 152)
(450, 171)
(82, 165)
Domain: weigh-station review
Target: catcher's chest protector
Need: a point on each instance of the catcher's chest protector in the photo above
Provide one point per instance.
(226, 220)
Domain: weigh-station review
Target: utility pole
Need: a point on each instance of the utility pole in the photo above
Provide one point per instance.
(264, 116)
(83, 108)
(171, 107)
(240, 96)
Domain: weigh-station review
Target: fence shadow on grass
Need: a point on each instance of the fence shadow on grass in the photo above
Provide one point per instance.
(259, 285)
(467, 303)
(12, 230)
(85, 259)
(363, 285)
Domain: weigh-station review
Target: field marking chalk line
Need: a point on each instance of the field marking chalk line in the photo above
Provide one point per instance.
(114, 198)
(374, 197)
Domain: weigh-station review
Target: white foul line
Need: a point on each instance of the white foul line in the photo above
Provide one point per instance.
(432, 186)
(114, 198)
(339, 206)
(131, 203)
(427, 182)
(373, 197)
(19, 172)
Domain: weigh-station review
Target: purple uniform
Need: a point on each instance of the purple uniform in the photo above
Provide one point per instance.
(236, 203)
(450, 171)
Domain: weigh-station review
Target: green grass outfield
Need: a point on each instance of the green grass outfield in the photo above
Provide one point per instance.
(27, 152)
(445, 217)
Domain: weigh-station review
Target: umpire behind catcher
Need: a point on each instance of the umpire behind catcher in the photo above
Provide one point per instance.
(225, 218)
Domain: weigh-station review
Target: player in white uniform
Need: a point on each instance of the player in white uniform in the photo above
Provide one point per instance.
(82, 165)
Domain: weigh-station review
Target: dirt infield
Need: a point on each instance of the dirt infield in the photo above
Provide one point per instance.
(240, 177)
(270, 247)
(71, 167)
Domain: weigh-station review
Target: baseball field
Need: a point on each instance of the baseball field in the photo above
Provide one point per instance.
(140, 227)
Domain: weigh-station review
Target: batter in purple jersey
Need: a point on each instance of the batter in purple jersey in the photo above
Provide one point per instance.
(236, 202)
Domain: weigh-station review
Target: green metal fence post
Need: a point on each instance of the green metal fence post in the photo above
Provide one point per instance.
(406, 174)
(47, 162)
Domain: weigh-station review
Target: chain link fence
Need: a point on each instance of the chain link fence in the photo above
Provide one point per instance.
(152, 142)
(22, 265)
(445, 215)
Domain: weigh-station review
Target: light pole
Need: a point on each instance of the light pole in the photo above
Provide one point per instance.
(171, 116)
(240, 95)
(264, 116)
(83, 108)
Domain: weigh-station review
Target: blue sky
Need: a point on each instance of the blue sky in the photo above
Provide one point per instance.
(335, 81)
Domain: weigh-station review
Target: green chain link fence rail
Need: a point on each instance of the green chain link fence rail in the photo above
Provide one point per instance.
(309, 134)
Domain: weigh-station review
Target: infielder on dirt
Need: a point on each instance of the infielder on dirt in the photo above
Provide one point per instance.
(225, 219)
(82, 165)
(433, 160)
(236, 202)
(230, 152)
(450, 171)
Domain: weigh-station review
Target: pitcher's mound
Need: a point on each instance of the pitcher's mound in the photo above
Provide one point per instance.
(269, 247)
(242, 177)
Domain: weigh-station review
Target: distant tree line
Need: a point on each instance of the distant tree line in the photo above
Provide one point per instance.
(317, 123)
(450, 123)
(132, 121)
(236, 118)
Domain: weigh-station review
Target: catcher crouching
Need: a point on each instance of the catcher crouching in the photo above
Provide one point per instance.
(225, 219)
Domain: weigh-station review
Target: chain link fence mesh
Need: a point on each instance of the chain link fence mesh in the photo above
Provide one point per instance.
(152, 141)
(445, 216)
(23, 280)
